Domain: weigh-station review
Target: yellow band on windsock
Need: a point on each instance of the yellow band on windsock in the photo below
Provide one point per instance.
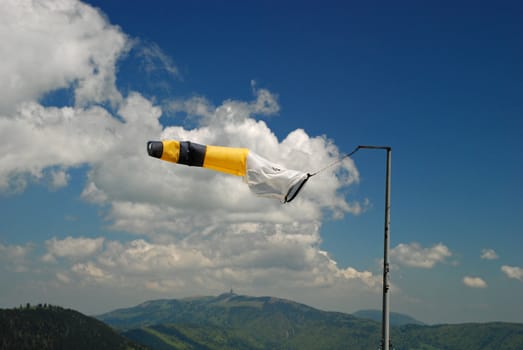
(171, 151)
(228, 160)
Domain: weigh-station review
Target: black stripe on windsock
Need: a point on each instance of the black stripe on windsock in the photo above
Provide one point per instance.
(192, 154)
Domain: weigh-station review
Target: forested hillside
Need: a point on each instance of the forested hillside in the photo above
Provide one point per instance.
(51, 327)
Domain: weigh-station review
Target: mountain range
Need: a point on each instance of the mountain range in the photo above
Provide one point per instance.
(231, 321)
(238, 322)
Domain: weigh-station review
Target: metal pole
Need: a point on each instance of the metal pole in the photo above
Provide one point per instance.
(385, 335)
(386, 286)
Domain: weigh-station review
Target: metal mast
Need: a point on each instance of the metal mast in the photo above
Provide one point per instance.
(385, 335)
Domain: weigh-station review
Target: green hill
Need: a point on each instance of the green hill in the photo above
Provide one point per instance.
(469, 336)
(396, 319)
(231, 321)
(52, 327)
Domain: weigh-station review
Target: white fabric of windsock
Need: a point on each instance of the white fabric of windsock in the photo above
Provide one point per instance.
(268, 179)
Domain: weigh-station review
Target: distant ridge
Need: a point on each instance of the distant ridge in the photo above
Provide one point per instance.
(240, 322)
(396, 319)
(205, 309)
(231, 321)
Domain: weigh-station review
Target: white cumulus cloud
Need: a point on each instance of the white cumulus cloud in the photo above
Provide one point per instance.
(414, 255)
(48, 45)
(15, 257)
(59, 45)
(90, 271)
(72, 248)
(489, 254)
(474, 282)
(514, 272)
(60, 137)
(59, 178)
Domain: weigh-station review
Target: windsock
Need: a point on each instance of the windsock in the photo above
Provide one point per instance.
(264, 178)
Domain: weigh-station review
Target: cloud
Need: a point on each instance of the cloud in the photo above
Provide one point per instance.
(266, 102)
(72, 248)
(90, 271)
(155, 59)
(58, 178)
(140, 256)
(474, 282)
(414, 255)
(251, 258)
(15, 257)
(268, 264)
(489, 254)
(372, 281)
(514, 272)
(59, 44)
(194, 106)
(15, 251)
(63, 277)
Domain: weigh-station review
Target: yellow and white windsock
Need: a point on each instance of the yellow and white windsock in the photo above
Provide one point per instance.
(265, 178)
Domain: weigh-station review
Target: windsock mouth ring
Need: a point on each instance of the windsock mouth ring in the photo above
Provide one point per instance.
(155, 148)
(296, 188)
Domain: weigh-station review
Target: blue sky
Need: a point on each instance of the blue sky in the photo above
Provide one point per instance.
(91, 222)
